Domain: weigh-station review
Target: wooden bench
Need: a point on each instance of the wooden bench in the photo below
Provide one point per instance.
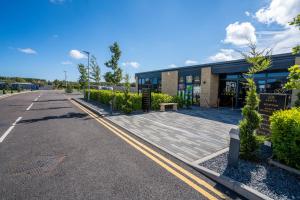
(163, 105)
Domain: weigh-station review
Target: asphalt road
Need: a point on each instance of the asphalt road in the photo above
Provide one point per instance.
(58, 151)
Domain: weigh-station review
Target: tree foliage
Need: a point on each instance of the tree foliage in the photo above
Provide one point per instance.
(127, 106)
(296, 22)
(95, 73)
(115, 76)
(83, 78)
(260, 61)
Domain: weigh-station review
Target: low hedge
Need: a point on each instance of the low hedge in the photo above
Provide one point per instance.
(285, 129)
(104, 97)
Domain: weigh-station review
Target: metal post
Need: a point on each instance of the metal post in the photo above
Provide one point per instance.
(66, 79)
(88, 76)
(88, 54)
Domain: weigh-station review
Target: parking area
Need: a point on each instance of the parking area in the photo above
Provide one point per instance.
(189, 135)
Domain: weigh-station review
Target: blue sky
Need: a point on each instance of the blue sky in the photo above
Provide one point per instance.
(37, 37)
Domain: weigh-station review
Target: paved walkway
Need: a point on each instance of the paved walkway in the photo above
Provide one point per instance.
(189, 135)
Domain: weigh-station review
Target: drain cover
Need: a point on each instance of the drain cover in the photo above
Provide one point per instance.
(42, 165)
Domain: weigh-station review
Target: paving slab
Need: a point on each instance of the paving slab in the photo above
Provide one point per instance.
(190, 135)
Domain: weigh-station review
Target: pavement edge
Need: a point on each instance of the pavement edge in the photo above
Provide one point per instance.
(233, 185)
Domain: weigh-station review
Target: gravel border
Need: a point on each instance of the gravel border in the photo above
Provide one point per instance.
(269, 180)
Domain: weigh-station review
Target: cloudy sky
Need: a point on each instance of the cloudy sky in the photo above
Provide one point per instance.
(43, 38)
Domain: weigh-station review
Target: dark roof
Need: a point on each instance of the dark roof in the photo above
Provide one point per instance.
(279, 61)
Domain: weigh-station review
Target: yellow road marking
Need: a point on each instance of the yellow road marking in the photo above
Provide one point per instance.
(127, 138)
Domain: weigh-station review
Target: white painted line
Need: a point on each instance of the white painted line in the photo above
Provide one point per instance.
(9, 129)
(15, 123)
(36, 99)
(29, 106)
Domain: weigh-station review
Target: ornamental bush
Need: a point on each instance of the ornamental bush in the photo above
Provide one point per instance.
(285, 137)
(105, 96)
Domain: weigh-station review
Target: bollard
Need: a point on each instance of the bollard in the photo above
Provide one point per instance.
(111, 106)
(234, 147)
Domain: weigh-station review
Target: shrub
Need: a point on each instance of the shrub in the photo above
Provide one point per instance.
(105, 96)
(285, 129)
(69, 89)
(157, 98)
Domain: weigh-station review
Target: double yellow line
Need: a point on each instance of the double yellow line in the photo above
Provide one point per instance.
(184, 175)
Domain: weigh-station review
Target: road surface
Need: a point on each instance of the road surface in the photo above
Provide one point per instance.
(51, 148)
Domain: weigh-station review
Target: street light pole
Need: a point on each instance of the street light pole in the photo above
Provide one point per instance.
(88, 54)
(66, 79)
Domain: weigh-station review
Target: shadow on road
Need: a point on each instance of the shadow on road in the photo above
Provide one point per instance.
(52, 108)
(65, 116)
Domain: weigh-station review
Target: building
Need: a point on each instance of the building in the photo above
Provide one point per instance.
(217, 84)
(24, 86)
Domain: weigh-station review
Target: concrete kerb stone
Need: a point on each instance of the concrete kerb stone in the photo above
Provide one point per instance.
(88, 107)
(233, 185)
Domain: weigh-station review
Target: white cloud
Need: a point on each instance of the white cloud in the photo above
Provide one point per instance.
(66, 62)
(247, 13)
(77, 54)
(191, 62)
(240, 33)
(280, 41)
(225, 55)
(278, 11)
(131, 64)
(27, 51)
(172, 65)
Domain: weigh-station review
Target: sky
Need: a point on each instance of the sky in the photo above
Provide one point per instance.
(43, 38)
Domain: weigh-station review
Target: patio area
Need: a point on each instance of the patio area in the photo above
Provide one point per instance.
(190, 135)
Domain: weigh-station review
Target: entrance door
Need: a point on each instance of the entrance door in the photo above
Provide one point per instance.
(228, 89)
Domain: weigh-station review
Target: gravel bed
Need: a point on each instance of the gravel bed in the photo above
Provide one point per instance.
(269, 180)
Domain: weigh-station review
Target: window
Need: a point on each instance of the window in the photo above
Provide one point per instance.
(278, 74)
(181, 80)
(232, 76)
(189, 79)
(197, 79)
(260, 75)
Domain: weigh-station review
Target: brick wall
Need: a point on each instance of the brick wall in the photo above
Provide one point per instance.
(209, 88)
(169, 82)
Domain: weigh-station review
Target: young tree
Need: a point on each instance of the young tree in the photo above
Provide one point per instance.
(115, 76)
(127, 106)
(294, 75)
(296, 22)
(95, 73)
(83, 78)
(260, 61)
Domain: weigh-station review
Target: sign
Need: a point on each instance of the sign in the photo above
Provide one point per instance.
(146, 99)
(268, 104)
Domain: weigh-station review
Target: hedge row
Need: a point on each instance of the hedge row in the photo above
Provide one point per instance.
(285, 128)
(104, 97)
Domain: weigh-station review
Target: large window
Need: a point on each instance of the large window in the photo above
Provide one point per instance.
(233, 87)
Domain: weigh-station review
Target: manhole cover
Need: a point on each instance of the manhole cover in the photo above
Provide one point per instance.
(42, 165)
